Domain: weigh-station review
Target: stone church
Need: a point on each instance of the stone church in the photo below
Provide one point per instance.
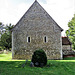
(36, 30)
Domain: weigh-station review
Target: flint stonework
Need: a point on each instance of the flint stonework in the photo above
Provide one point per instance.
(36, 23)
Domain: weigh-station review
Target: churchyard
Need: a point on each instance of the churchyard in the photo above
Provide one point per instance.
(35, 30)
(53, 67)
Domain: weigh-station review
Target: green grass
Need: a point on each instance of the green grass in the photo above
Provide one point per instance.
(5, 57)
(56, 68)
(69, 58)
(14, 67)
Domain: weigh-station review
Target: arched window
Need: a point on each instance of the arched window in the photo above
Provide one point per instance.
(45, 39)
(28, 39)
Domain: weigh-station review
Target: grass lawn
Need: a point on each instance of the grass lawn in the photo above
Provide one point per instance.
(5, 57)
(69, 58)
(14, 67)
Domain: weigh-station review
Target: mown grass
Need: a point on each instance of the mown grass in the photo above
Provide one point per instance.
(69, 58)
(7, 57)
(4, 57)
(57, 67)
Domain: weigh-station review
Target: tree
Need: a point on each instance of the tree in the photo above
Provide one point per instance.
(71, 31)
(6, 40)
(8, 28)
(1, 28)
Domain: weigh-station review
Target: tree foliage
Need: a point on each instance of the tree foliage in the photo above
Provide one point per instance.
(5, 41)
(71, 31)
(6, 38)
(1, 28)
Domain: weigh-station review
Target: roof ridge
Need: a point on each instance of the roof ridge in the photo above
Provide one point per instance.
(36, 2)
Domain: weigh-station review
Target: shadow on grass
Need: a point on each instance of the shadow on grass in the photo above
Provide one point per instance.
(55, 68)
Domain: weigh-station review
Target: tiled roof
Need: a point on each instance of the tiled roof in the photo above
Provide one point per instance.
(66, 41)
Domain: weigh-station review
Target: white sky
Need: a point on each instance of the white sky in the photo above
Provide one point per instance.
(61, 11)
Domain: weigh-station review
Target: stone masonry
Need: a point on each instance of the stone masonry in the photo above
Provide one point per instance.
(67, 46)
(36, 24)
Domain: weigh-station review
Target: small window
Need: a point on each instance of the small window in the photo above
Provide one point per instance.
(45, 39)
(28, 39)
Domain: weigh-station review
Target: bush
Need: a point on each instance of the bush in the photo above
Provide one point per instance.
(39, 58)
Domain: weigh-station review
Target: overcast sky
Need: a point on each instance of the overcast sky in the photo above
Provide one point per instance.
(61, 11)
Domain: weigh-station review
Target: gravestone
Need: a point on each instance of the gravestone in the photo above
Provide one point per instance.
(31, 64)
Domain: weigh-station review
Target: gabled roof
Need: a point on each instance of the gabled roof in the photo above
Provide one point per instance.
(37, 5)
(66, 41)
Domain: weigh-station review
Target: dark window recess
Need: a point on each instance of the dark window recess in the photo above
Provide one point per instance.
(28, 39)
(45, 39)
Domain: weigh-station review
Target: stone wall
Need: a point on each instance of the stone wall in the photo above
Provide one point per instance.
(66, 47)
(36, 24)
(22, 47)
(67, 50)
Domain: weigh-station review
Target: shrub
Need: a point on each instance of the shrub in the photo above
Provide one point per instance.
(39, 58)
